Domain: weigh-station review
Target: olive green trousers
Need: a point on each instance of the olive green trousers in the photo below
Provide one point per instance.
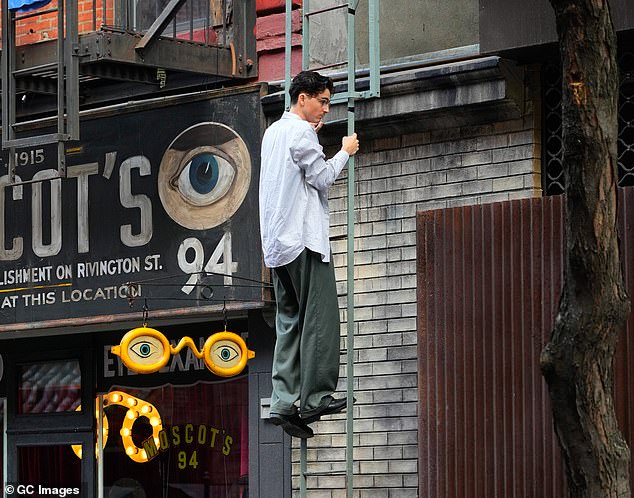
(306, 356)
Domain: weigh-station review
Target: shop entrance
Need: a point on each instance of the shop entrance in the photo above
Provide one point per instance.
(181, 432)
(46, 387)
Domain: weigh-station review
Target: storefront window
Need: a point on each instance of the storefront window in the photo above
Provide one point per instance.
(177, 442)
(43, 468)
(49, 387)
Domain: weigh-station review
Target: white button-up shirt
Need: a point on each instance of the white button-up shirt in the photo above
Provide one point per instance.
(294, 182)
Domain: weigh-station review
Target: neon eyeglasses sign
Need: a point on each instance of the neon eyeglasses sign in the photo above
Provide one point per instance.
(146, 350)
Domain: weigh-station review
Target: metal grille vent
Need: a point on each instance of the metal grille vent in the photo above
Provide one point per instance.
(554, 182)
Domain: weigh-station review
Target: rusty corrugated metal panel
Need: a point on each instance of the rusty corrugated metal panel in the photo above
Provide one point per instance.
(489, 281)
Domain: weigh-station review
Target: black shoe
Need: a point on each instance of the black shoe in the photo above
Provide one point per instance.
(334, 406)
(292, 425)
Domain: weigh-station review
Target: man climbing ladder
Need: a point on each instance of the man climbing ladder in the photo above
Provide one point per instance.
(294, 223)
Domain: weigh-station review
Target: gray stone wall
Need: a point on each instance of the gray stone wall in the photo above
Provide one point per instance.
(406, 29)
(396, 176)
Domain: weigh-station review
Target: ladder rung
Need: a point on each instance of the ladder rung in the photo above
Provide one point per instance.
(326, 473)
(51, 138)
(328, 66)
(338, 98)
(34, 14)
(326, 9)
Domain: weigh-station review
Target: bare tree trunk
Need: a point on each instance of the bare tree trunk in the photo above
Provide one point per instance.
(578, 362)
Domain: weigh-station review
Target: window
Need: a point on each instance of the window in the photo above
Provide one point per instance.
(177, 441)
(49, 387)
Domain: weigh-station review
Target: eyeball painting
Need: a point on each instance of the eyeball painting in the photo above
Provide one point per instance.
(144, 350)
(226, 354)
(204, 176)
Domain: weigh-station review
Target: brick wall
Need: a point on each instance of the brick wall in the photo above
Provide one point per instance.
(269, 31)
(396, 177)
(44, 27)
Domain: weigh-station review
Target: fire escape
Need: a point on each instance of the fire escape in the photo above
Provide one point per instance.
(105, 51)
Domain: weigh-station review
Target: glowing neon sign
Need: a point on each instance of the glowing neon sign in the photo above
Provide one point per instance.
(136, 408)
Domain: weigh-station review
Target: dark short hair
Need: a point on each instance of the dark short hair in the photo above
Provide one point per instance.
(310, 83)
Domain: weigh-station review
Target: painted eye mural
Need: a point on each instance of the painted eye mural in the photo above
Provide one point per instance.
(205, 179)
(204, 176)
(144, 350)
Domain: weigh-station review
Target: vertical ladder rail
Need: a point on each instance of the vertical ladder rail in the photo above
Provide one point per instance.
(374, 48)
(287, 52)
(303, 453)
(67, 65)
(306, 34)
(68, 71)
(349, 97)
(71, 47)
(8, 83)
(61, 56)
(303, 445)
(352, 66)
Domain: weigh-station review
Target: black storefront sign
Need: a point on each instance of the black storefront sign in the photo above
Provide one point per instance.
(159, 201)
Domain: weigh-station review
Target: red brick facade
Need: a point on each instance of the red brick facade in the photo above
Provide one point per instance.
(44, 27)
(269, 31)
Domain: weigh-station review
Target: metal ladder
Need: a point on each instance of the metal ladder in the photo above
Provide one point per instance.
(350, 96)
(67, 66)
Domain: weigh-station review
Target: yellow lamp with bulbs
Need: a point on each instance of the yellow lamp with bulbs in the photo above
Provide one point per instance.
(104, 431)
(136, 408)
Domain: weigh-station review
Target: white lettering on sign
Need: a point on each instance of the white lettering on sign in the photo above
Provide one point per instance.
(108, 267)
(26, 275)
(50, 244)
(39, 247)
(65, 295)
(100, 293)
(30, 157)
(140, 201)
(196, 265)
(15, 251)
(8, 302)
(82, 172)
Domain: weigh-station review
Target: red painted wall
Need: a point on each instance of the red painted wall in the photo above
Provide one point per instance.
(267, 6)
(270, 39)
